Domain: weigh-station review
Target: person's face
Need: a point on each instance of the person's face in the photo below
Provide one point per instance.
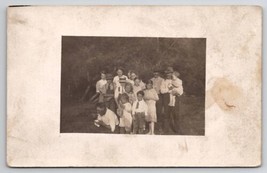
(137, 82)
(128, 88)
(156, 74)
(119, 72)
(123, 100)
(133, 75)
(103, 76)
(139, 97)
(109, 81)
(101, 111)
(169, 75)
(149, 86)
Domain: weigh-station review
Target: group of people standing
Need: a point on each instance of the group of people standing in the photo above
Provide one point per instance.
(126, 104)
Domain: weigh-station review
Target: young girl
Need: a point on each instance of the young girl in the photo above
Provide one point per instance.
(150, 98)
(125, 113)
(130, 93)
(138, 85)
(119, 82)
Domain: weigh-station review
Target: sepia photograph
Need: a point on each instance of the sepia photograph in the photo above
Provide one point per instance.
(133, 85)
(99, 86)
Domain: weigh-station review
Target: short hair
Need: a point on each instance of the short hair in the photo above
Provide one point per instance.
(101, 105)
(140, 92)
(124, 96)
(102, 72)
(120, 68)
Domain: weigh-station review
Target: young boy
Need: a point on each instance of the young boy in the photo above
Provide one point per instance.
(108, 93)
(139, 112)
(100, 85)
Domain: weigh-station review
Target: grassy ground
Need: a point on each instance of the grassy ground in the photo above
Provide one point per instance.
(78, 117)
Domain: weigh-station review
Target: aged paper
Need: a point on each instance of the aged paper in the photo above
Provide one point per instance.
(232, 136)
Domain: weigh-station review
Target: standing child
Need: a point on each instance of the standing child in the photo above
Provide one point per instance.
(151, 96)
(138, 85)
(125, 113)
(129, 92)
(139, 112)
(100, 86)
(108, 93)
(119, 83)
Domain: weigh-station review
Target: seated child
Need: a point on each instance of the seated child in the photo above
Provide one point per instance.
(125, 113)
(176, 88)
(139, 111)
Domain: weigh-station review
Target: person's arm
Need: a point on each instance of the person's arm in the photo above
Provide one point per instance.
(134, 107)
(156, 97)
(146, 109)
(128, 108)
(97, 87)
(112, 122)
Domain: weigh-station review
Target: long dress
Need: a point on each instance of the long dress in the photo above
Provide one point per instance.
(151, 97)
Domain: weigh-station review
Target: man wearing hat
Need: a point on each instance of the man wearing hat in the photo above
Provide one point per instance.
(165, 91)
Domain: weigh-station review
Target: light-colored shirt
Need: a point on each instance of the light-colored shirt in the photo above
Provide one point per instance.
(151, 94)
(142, 107)
(116, 80)
(157, 83)
(165, 85)
(140, 87)
(110, 119)
(100, 85)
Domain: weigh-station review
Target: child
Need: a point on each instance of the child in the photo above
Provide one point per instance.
(119, 82)
(100, 85)
(151, 96)
(125, 113)
(139, 111)
(130, 93)
(138, 85)
(176, 87)
(108, 93)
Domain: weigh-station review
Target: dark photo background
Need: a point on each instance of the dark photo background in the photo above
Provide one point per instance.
(83, 58)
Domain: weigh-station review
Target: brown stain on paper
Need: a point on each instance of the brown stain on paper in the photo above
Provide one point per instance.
(225, 94)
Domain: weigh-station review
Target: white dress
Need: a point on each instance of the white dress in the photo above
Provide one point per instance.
(126, 118)
(151, 97)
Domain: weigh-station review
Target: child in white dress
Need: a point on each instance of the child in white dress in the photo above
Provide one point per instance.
(125, 113)
(151, 96)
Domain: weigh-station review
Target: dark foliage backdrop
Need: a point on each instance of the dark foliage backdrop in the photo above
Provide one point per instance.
(84, 57)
